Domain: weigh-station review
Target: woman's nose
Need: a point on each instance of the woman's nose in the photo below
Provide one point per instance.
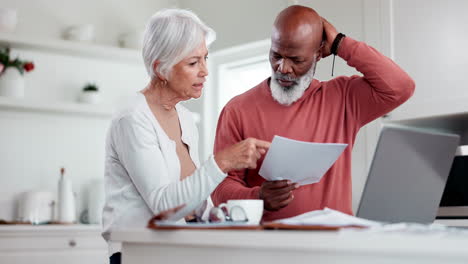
(203, 69)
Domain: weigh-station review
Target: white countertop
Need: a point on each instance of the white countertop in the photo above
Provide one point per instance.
(335, 241)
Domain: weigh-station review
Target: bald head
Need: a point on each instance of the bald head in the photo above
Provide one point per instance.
(298, 23)
(295, 41)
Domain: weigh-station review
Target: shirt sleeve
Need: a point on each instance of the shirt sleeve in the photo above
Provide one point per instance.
(140, 153)
(234, 186)
(383, 87)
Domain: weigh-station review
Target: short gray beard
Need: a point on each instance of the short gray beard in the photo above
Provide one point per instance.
(288, 95)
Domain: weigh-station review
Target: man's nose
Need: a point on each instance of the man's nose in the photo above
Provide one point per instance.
(284, 67)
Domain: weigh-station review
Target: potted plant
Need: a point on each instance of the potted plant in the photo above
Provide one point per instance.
(11, 74)
(90, 94)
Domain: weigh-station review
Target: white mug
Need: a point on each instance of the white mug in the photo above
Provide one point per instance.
(253, 210)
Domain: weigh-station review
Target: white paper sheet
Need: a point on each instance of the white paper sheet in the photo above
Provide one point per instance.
(328, 217)
(299, 161)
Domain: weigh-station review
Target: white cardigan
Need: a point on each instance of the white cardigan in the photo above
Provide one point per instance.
(142, 169)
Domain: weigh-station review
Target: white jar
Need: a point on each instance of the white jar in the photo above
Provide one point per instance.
(11, 83)
(8, 20)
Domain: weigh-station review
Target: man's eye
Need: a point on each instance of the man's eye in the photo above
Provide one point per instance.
(192, 63)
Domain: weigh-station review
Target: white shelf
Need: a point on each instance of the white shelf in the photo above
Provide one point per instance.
(72, 48)
(24, 105)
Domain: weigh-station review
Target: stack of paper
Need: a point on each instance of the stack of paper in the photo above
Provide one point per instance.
(327, 217)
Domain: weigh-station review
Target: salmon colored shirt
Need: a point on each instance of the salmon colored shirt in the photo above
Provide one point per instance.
(328, 112)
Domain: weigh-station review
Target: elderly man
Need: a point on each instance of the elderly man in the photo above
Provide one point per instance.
(292, 104)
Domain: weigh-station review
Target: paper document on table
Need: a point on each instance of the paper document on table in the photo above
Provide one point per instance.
(299, 161)
(328, 217)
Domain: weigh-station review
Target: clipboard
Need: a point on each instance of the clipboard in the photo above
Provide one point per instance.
(154, 225)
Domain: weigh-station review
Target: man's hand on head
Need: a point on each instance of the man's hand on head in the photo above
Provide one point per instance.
(277, 194)
(330, 33)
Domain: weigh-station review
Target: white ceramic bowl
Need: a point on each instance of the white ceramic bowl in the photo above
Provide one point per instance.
(81, 33)
(90, 97)
(132, 40)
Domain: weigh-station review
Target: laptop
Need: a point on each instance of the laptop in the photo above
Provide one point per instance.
(408, 175)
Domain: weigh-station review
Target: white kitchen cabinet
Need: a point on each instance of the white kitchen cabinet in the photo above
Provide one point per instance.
(428, 39)
(52, 244)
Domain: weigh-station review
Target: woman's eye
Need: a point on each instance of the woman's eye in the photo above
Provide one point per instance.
(206, 57)
(192, 63)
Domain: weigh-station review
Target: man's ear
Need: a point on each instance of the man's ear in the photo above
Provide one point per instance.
(156, 71)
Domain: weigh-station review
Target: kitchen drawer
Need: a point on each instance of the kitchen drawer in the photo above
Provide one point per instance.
(52, 244)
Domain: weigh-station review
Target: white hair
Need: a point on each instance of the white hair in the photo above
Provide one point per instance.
(170, 36)
(288, 95)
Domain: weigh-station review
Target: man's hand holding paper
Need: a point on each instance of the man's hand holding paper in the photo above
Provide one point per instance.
(277, 194)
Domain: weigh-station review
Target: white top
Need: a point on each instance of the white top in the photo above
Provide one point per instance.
(142, 169)
(286, 246)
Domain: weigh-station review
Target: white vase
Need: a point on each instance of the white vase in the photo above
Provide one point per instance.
(66, 201)
(11, 83)
(90, 97)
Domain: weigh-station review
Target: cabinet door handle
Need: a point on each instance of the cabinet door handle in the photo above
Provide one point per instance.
(72, 243)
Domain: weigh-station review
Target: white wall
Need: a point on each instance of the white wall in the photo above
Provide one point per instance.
(33, 146)
(237, 22)
(432, 34)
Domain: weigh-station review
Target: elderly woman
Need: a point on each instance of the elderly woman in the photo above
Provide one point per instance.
(152, 162)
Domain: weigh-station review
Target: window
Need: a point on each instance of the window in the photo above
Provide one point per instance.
(239, 76)
(232, 71)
